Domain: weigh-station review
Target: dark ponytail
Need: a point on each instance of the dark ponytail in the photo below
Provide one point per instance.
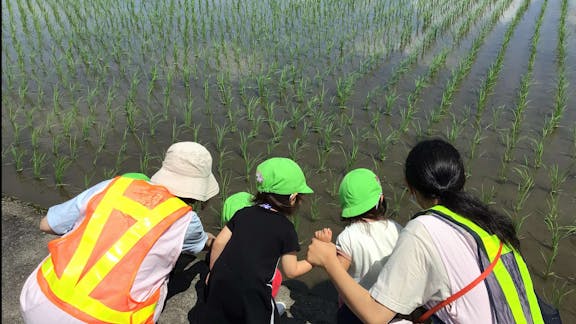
(435, 169)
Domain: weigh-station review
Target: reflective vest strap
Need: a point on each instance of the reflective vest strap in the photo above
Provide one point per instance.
(531, 295)
(103, 266)
(95, 225)
(490, 243)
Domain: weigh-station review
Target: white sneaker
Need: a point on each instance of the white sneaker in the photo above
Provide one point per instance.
(281, 307)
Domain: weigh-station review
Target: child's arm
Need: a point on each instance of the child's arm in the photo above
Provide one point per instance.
(219, 243)
(293, 268)
(325, 235)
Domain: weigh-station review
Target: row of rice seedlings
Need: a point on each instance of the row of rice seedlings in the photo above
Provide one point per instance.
(465, 64)
(522, 99)
(561, 95)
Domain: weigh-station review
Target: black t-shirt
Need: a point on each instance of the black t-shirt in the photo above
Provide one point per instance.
(259, 238)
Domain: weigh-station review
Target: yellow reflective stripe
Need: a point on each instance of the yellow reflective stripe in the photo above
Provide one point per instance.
(502, 275)
(83, 302)
(87, 243)
(143, 314)
(510, 292)
(531, 295)
(66, 287)
(125, 243)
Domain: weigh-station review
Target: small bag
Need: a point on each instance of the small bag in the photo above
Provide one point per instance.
(550, 314)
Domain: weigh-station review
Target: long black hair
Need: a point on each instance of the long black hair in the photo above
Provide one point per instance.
(435, 169)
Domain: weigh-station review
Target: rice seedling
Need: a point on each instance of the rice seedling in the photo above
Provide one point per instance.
(249, 164)
(322, 153)
(38, 162)
(222, 157)
(455, 129)
(295, 148)
(351, 154)
(557, 179)
(18, 157)
(315, 208)
(538, 149)
(221, 132)
(61, 164)
(525, 186)
(557, 233)
(251, 106)
(559, 293)
(109, 173)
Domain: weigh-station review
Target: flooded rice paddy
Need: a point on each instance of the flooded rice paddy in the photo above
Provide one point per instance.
(93, 89)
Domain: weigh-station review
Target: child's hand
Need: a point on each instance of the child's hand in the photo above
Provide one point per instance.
(324, 235)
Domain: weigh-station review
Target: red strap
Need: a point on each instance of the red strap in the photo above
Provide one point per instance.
(464, 290)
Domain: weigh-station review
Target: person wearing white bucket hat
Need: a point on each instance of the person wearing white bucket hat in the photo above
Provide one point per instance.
(120, 240)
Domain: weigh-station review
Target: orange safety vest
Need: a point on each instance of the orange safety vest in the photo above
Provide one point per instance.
(90, 272)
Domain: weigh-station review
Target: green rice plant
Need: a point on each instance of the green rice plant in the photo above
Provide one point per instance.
(73, 147)
(18, 156)
(222, 157)
(206, 86)
(224, 88)
(351, 154)
(221, 132)
(176, 130)
(61, 165)
(188, 112)
(322, 154)
(344, 90)
(256, 126)
(301, 90)
(35, 137)
(487, 196)
(277, 127)
(557, 233)
(109, 173)
(453, 133)
(315, 208)
(262, 81)
(327, 133)
(383, 142)
(38, 161)
(297, 116)
(390, 98)
(145, 158)
(88, 179)
(559, 293)
(295, 148)
(538, 149)
(251, 106)
(249, 164)
(397, 199)
(557, 179)
(525, 186)
(518, 221)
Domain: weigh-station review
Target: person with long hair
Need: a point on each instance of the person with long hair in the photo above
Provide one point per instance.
(457, 258)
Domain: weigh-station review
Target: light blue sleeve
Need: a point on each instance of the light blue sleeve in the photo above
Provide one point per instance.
(195, 237)
(62, 217)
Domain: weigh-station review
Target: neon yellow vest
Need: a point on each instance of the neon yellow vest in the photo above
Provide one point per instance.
(521, 305)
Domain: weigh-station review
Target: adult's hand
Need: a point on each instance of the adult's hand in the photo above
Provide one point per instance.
(321, 253)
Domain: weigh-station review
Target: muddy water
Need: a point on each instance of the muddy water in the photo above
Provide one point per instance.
(233, 60)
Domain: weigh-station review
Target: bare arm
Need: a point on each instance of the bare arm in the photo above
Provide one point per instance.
(45, 227)
(355, 296)
(294, 268)
(325, 235)
(218, 244)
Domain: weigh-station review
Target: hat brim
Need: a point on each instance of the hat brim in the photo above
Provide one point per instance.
(305, 190)
(187, 187)
(360, 209)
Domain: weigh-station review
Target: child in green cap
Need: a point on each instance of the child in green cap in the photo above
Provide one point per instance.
(366, 242)
(246, 252)
(233, 204)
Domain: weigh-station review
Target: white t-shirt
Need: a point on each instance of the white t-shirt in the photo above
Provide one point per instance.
(368, 245)
(432, 261)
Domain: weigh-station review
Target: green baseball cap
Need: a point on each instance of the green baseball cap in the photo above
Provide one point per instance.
(234, 203)
(360, 191)
(281, 176)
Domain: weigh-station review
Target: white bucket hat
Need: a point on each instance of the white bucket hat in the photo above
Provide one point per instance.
(187, 172)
